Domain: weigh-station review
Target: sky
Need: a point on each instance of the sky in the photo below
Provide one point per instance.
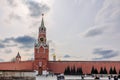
(84, 30)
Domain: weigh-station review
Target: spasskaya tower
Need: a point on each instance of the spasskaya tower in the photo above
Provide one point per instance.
(41, 50)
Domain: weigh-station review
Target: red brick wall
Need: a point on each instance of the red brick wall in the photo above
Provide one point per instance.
(59, 66)
(23, 65)
(41, 55)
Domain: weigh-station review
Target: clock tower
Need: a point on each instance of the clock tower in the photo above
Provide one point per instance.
(41, 50)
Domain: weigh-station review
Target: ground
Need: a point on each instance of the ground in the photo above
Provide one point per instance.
(69, 78)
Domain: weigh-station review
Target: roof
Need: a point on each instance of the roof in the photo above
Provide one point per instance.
(18, 55)
(42, 27)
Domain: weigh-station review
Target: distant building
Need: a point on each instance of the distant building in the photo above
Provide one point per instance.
(42, 64)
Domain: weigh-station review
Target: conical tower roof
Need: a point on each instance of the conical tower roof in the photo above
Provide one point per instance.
(18, 55)
(42, 27)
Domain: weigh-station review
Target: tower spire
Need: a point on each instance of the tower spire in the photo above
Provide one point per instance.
(42, 27)
(18, 58)
(42, 23)
(18, 55)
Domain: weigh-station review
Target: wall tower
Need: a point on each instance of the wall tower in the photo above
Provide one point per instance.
(18, 58)
(41, 50)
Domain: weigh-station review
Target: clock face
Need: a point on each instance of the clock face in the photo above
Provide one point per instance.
(41, 39)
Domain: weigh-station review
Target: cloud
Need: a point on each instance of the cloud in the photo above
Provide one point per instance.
(30, 56)
(94, 32)
(52, 50)
(25, 41)
(35, 8)
(22, 9)
(66, 56)
(11, 3)
(71, 56)
(7, 51)
(2, 45)
(16, 6)
(14, 16)
(105, 53)
(1, 60)
(11, 45)
(106, 20)
(7, 40)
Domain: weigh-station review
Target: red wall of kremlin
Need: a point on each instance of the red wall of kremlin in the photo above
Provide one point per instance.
(59, 66)
(15, 66)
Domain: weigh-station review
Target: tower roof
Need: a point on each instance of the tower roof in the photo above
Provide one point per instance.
(42, 22)
(18, 55)
(42, 27)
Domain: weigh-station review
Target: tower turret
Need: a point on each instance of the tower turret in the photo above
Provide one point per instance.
(18, 58)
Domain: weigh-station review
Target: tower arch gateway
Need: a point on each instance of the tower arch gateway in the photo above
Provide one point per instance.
(41, 51)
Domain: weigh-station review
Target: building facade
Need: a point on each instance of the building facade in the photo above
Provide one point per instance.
(42, 64)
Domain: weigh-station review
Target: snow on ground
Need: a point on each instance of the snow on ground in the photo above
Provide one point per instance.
(46, 78)
(69, 78)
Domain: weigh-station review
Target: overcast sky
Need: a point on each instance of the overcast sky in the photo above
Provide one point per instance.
(76, 29)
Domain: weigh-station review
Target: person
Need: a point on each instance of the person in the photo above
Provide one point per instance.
(97, 78)
(109, 77)
(60, 77)
(82, 77)
(115, 78)
(52, 74)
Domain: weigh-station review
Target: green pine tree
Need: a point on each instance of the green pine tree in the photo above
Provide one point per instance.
(105, 71)
(101, 70)
(119, 71)
(111, 71)
(93, 70)
(96, 71)
(114, 71)
(74, 70)
(81, 72)
(67, 71)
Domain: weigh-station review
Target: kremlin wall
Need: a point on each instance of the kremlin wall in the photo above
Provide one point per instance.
(59, 66)
(41, 62)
